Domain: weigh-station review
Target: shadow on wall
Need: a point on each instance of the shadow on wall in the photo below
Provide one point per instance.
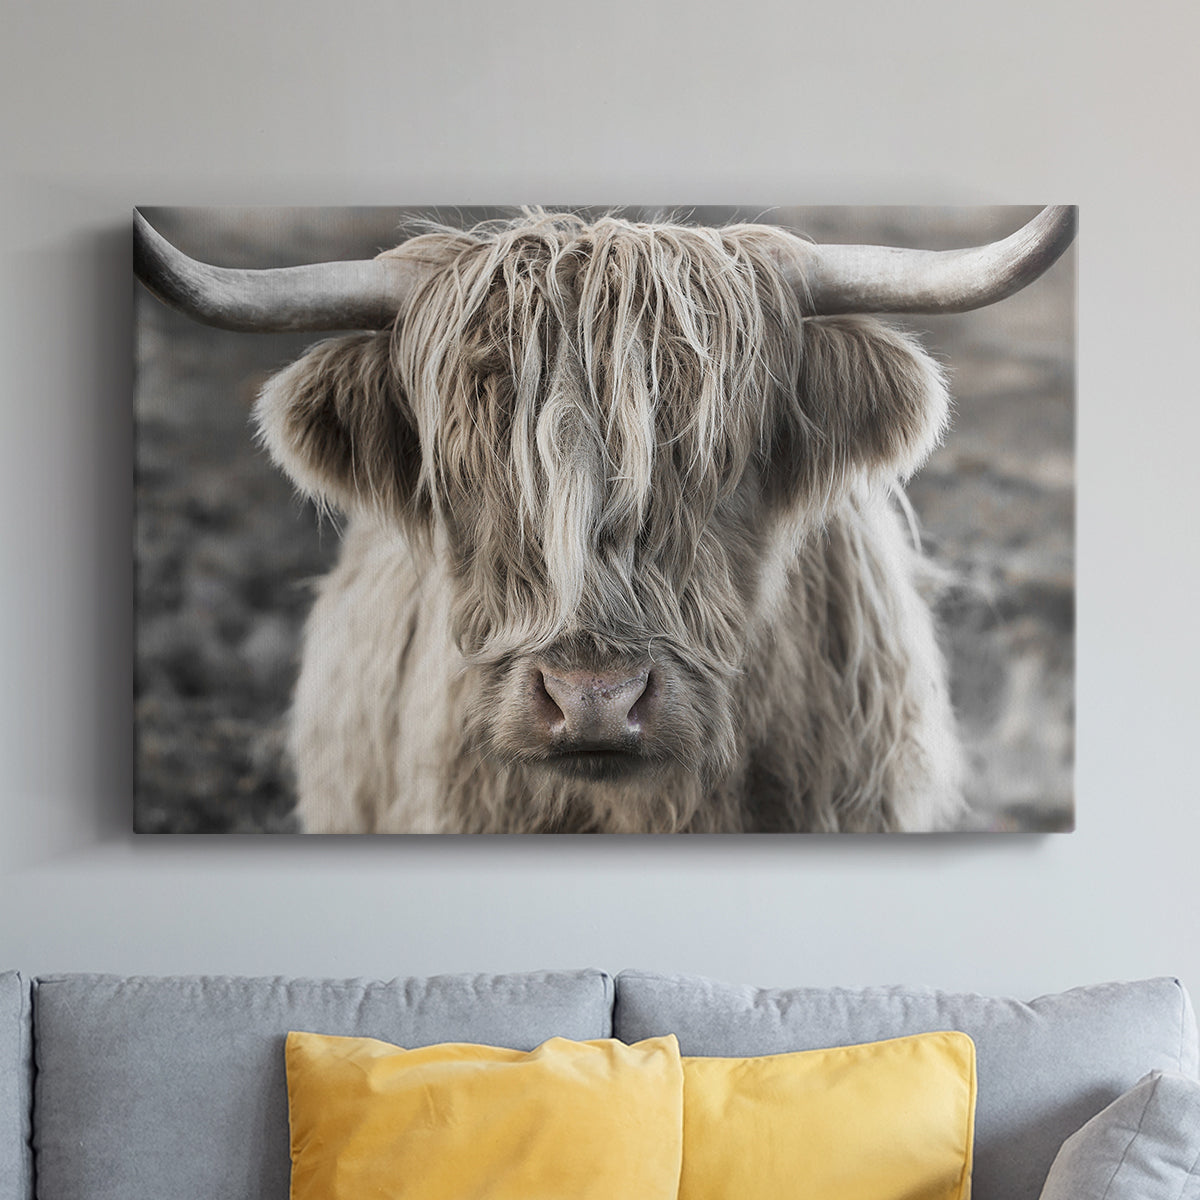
(226, 554)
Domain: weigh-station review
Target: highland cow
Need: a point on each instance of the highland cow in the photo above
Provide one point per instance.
(627, 548)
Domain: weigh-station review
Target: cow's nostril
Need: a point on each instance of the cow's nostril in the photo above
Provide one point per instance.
(643, 703)
(548, 712)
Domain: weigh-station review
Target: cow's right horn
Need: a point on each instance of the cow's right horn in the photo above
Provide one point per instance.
(363, 294)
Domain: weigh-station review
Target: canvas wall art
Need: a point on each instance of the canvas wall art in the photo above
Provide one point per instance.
(711, 520)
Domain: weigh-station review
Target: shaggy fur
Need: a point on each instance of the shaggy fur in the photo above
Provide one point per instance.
(599, 446)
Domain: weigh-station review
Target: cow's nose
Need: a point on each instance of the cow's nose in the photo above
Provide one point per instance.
(594, 709)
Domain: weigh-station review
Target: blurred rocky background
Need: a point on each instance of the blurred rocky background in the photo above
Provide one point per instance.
(225, 554)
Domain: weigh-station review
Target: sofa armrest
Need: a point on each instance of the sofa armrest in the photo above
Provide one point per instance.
(1144, 1146)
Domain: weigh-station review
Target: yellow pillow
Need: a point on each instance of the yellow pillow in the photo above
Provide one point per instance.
(567, 1121)
(887, 1121)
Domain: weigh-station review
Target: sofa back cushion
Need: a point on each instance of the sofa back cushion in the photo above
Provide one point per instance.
(149, 1088)
(1044, 1067)
(16, 1166)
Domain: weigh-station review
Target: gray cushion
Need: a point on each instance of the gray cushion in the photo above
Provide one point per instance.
(1144, 1146)
(16, 1072)
(1045, 1067)
(152, 1088)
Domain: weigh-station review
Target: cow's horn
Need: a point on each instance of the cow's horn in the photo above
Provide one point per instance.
(366, 294)
(886, 279)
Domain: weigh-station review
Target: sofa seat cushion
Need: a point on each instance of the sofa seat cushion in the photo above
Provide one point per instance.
(1044, 1067)
(149, 1088)
(581, 1120)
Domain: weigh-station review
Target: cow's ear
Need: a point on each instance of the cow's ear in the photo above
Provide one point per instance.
(339, 426)
(869, 402)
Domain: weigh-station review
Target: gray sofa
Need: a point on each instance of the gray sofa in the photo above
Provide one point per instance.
(144, 1088)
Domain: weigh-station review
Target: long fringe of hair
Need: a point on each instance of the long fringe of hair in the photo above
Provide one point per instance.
(603, 387)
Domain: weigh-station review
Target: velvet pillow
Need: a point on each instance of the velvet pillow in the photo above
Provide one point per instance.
(889, 1120)
(1144, 1146)
(586, 1120)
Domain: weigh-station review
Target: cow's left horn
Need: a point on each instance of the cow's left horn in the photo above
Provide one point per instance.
(887, 279)
(366, 294)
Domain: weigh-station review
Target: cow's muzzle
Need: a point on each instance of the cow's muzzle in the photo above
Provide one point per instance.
(593, 723)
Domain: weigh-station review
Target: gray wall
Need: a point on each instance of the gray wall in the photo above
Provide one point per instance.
(105, 106)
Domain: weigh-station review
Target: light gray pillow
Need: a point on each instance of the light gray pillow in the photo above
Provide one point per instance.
(1144, 1146)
